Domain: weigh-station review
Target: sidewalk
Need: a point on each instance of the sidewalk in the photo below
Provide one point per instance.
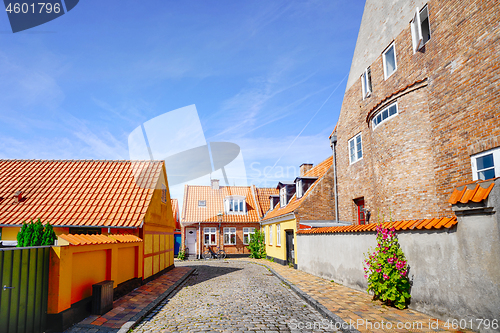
(344, 304)
(134, 306)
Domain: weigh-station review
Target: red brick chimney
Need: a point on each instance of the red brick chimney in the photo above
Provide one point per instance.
(304, 168)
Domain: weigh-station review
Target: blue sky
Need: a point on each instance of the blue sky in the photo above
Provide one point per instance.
(257, 71)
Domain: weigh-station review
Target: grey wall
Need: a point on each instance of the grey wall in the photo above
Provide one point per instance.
(382, 21)
(456, 272)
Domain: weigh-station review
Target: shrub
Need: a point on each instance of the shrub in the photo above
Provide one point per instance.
(387, 270)
(181, 255)
(49, 236)
(34, 234)
(256, 246)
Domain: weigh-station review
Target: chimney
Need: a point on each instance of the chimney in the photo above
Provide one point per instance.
(215, 184)
(19, 196)
(304, 168)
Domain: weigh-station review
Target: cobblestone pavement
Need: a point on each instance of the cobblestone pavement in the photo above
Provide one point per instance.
(357, 307)
(232, 296)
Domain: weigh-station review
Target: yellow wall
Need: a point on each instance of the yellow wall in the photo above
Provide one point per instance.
(158, 232)
(74, 269)
(280, 251)
(10, 233)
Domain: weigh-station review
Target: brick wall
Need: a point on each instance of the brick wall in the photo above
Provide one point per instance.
(447, 97)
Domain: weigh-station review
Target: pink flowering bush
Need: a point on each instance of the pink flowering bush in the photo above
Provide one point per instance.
(387, 270)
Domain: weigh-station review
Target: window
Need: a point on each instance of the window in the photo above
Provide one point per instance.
(278, 235)
(229, 236)
(420, 29)
(163, 193)
(360, 208)
(202, 203)
(246, 235)
(283, 196)
(235, 205)
(265, 235)
(385, 114)
(85, 231)
(299, 189)
(389, 58)
(209, 234)
(486, 165)
(271, 234)
(366, 83)
(355, 149)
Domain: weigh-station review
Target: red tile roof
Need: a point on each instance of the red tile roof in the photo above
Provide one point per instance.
(175, 211)
(262, 195)
(317, 171)
(435, 223)
(97, 239)
(475, 191)
(77, 193)
(192, 213)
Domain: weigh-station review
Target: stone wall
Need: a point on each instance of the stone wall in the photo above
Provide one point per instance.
(455, 272)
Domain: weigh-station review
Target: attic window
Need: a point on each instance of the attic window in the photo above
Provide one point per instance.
(235, 205)
(366, 83)
(420, 29)
(163, 193)
(303, 184)
(283, 199)
(202, 203)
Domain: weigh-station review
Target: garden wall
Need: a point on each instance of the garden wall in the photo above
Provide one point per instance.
(90, 259)
(455, 272)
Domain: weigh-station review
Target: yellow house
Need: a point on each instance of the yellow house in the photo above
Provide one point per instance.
(305, 201)
(92, 197)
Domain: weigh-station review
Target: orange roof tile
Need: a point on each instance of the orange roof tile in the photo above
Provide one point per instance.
(435, 223)
(77, 193)
(317, 171)
(262, 195)
(192, 213)
(475, 191)
(96, 239)
(175, 211)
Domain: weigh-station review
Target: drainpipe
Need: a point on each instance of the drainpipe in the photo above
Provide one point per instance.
(199, 239)
(333, 144)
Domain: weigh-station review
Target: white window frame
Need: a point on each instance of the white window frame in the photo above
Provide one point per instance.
(265, 235)
(271, 234)
(298, 189)
(278, 235)
(366, 83)
(380, 113)
(283, 195)
(230, 232)
(235, 205)
(496, 162)
(354, 139)
(246, 235)
(392, 46)
(416, 28)
(202, 203)
(209, 231)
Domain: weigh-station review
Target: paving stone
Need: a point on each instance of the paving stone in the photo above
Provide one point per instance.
(231, 297)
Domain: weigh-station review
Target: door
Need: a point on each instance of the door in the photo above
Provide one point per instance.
(290, 249)
(360, 207)
(191, 240)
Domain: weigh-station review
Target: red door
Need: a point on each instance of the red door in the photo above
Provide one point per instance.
(360, 203)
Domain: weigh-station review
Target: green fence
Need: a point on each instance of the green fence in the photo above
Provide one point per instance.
(24, 284)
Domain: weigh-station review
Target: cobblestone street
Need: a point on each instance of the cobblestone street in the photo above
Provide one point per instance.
(232, 297)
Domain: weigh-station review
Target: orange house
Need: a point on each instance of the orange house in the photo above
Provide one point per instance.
(92, 197)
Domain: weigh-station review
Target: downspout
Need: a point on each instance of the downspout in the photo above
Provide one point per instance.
(333, 144)
(199, 239)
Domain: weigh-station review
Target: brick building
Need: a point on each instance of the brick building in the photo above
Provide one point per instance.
(420, 111)
(222, 216)
(306, 202)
